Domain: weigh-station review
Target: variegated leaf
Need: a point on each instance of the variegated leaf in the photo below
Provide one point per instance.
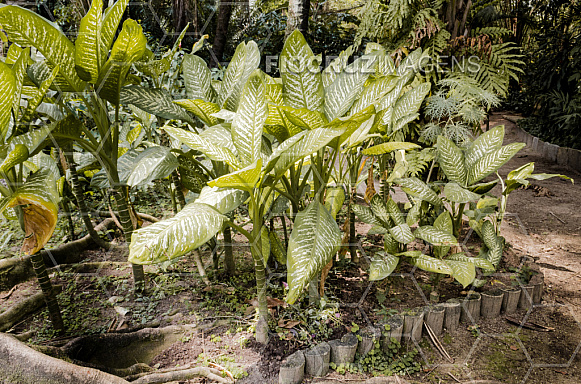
(304, 118)
(191, 228)
(204, 110)
(443, 223)
(264, 241)
(366, 215)
(155, 101)
(486, 143)
(28, 29)
(301, 78)
(435, 236)
(198, 143)
(249, 121)
(477, 261)
(417, 188)
(124, 168)
(394, 212)
(313, 242)
(390, 244)
(232, 76)
(87, 44)
(379, 208)
(219, 135)
(382, 265)
(451, 160)
(492, 161)
(19, 68)
(483, 187)
(464, 272)
(431, 264)
(388, 147)
(410, 102)
(402, 233)
(334, 200)
(225, 200)
(374, 92)
(7, 91)
(152, 164)
(197, 78)
(457, 194)
(337, 66)
(110, 25)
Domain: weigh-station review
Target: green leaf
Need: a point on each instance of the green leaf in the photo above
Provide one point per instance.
(152, 164)
(390, 244)
(155, 101)
(244, 179)
(379, 208)
(488, 234)
(482, 188)
(486, 143)
(128, 48)
(444, 223)
(265, 244)
(87, 44)
(435, 236)
(225, 200)
(402, 233)
(417, 188)
(39, 95)
(277, 248)
(192, 176)
(27, 29)
(366, 215)
(39, 199)
(382, 266)
(245, 60)
(375, 90)
(336, 67)
(202, 109)
(457, 194)
(7, 91)
(394, 212)
(304, 118)
(313, 242)
(451, 160)
(198, 143)
(464, 272)
(477, 261)
(390, 146)
(191, 228)
(197, 78)
(347, 87)
(301, 78)
(334, 200)
(220, 135)
(19, 68)
(249, 120)
(410, 102)
(491, 162)
(18, 155)
(110, 25)
(431, 264)
(124, 168)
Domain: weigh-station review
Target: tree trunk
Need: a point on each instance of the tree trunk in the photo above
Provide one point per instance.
(297, 16)
(125, 218)
(180, 14)
(224, 14)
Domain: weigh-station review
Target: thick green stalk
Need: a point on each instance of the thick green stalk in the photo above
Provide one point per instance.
(125, 219)
(52, 304)
(352, 233)
(229, 264)
(260, 272)
(178, 189)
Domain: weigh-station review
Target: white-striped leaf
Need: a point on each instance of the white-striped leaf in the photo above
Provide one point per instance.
(380, 211)
(390, 244)
(457, 194)
(410, 102)
(204, 110)
(366, 215)
(337, 66)
(219, 135)
(191, 228)
(198, 143)
(464, 272)
(491, 162)
(342, 93)
(313, 242)
(388, 147)
(334, 200)
(152, 164)
(88, 45)
(382, 265)
(7, 90)
(197, 78)
(109, 26)
(374, 92)
(451, 160)
(155, 101)
(124, 167)
(477, 261)
(304, 118)
(417, 188)
(486, 143)
(435, 236)
(249, 121)
(431, 264)
(301, 78)
(225, 200)
(443, 223)
(402, 233)
(38, 96)
(28, 29)
(394, 212)
(19, 68)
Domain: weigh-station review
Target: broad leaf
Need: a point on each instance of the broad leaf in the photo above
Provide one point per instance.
(219, 135)
(155, 101)
(486, 143)
(198, 143)
(28, 29)
(313, 242)
(7, 91)
(394, 212)
(191, 228)
(244, 179)
(249, 120)
(491, 162)
(451, 160)
(477, 261)
(417, 188)
(204, 110)
(225, 200)
(457, 194)
(301, 78)
(431, 264)
(334, 200)
(402, 233)
(88, 45)
(373, 92)
(435, 236)
(464, 272)
(366, 215)
(197, 78)
(410, 102)
(304, 118)
(382, 266)
(389, 147)
(124, 168)
(38, 197)
(110, 25)
(380, 211)
(152, 164)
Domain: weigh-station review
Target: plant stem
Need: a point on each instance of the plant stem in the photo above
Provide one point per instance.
(49, 295)
(229, 264)
(260, 271)
(352, 233)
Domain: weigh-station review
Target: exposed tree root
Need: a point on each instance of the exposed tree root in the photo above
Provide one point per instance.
(18, 311)
(186, 374)
(143, 216)
(15, 270)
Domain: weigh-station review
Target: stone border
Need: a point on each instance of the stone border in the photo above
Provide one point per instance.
(438, 316)
(551, 152)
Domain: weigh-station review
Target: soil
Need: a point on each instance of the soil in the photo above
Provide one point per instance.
(544, 223)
